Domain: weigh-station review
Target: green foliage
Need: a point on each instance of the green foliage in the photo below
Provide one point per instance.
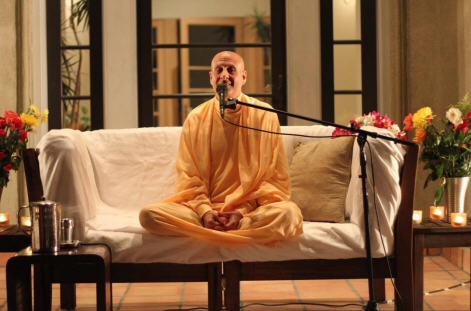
(80, 12)
(261, 27)
(72, 66)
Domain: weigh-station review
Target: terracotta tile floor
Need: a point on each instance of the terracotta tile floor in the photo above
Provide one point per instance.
(280, 295)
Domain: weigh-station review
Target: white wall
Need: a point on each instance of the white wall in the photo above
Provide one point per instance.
(303, 59)
(464, 40)
(39, 62)
(8, 90)
(119, 64)
(208, 8)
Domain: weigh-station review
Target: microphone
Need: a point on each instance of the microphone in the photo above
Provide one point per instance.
(221, 89)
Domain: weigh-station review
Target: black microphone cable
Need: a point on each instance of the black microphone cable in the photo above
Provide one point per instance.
(286, 134)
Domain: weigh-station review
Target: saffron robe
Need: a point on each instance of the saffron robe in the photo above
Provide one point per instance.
(223, 167)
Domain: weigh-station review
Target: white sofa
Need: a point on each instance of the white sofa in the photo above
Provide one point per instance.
(103, 178)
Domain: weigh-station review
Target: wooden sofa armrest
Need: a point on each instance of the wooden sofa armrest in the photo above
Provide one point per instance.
(33, 176)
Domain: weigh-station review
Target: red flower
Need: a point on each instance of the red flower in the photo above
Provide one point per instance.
(7, 167)
(355, 123)
(463, 126)
(408, 124)
(340, 132)
(402, 135)
(23, 135)
(10, 116)
(3, 123)
(2, 155)
(2, 132)
(379, 123)
(16, 124)
(462, 145)
(468, 115)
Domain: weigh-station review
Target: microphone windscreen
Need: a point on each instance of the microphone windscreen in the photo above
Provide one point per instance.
(221, 88)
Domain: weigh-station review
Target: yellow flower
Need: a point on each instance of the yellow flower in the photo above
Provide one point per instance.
(45, 115)
(29, 119)
(34, 111)
(422, 117)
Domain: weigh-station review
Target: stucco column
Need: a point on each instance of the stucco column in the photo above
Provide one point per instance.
(434, 65)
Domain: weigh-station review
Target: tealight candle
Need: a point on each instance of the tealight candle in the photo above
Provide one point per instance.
(4, 219)
(437, 212)
(25, 221)
(417, 217)
(458, 219)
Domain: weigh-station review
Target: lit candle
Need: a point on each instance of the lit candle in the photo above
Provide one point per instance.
(25, 221)
(417, 217)
(437, 212)
(4, 219)
(458, 219)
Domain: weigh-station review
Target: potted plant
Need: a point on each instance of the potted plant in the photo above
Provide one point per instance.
(445, 150)
(14, 130)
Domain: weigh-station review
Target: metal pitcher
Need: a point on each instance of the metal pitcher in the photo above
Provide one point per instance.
(45, 226)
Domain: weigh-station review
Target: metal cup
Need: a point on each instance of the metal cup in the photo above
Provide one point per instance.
(45, 218)
(67, 230)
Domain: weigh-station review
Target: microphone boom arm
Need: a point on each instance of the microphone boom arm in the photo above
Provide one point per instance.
(232, 102)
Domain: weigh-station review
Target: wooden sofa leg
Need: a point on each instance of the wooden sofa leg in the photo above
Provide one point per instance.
(232, 285)
(68, 297)
(380, 289)
(214, 286)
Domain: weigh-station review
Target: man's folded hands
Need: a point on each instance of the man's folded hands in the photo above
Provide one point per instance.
(223, 221)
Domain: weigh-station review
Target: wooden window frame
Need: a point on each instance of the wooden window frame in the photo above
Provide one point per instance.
(54, 77)
(144, 48)
(369, 83)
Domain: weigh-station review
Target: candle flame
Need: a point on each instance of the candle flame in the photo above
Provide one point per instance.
(26, 221)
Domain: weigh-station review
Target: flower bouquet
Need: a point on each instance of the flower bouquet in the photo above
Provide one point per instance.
(372, 119)
(445, 150)
(14, 130)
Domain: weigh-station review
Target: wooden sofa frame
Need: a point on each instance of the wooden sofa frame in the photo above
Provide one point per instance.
(224, 278)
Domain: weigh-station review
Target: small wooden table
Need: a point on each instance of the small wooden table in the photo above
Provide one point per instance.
(85, 264)
(434, 234)
(12, 239)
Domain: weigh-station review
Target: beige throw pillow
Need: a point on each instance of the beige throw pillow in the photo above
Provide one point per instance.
(320, 174)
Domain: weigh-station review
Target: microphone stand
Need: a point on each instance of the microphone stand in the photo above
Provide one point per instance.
(372, 305)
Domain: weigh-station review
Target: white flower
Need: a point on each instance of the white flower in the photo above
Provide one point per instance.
(369, 120)
(395, 129)
(454, 116)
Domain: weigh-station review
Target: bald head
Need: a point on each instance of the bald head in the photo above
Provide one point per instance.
(227, 56)
(228, 68)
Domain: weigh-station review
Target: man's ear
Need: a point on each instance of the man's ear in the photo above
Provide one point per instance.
(244, 76)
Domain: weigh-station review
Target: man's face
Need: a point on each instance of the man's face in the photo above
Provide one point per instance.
(228, 68)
